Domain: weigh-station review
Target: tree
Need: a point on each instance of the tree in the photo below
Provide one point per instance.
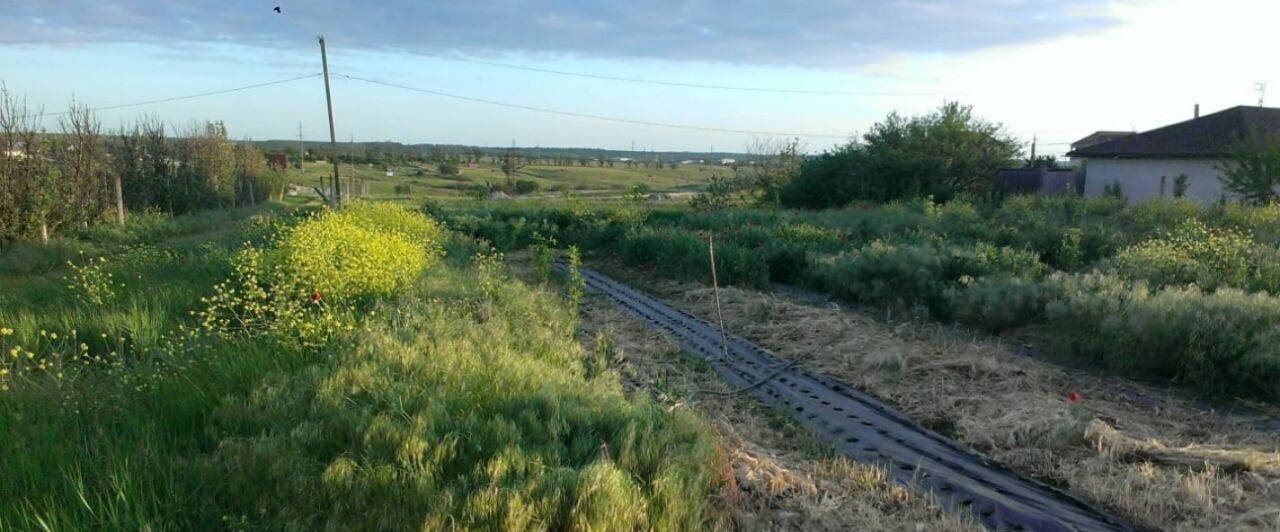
(774, 164)
(1180, 186)
(512, 162)
(1252, 172)
(449, 169)
(943, 153)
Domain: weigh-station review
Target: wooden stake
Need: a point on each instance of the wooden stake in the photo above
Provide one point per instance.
(119, 200)
(715, 290)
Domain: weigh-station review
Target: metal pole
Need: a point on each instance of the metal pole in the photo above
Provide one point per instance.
(333, 137)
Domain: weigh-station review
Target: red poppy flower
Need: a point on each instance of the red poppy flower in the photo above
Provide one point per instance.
(315, 296)
(1074, 397)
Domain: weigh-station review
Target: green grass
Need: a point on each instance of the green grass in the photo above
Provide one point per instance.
(586, 180)
(461, 401)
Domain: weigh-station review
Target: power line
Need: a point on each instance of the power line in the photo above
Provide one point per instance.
(591, 116)
(191, 96)
(742, 88)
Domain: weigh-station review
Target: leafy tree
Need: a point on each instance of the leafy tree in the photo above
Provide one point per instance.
(725, 192)
(941, 154)
(526, 186)
(774, 165)
(512, 162)
(637, 192)
(1253, 170)
(449, 169)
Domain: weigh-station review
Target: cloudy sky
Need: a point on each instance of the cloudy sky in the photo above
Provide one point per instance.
(1056, 70)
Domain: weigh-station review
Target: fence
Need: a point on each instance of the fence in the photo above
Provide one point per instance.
(1039, 180)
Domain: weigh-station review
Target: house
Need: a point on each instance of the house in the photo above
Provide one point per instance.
(1146, 165)
(727, 162)
(277, 161)
(1098, 137)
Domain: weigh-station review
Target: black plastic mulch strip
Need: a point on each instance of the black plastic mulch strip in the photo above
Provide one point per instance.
(870, 431)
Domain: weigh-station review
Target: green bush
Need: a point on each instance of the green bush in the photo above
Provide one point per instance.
(1001, 303)
(684, 254)
(526, 186)
(1222, 342)
(1191, 254)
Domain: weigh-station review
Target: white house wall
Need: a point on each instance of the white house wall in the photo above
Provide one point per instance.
(1140, 178)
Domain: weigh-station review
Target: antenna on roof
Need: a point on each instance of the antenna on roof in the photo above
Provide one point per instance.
(1261, 87)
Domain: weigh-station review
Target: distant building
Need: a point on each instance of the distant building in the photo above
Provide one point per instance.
(277, 161)
(726, 162)
(1146, 164)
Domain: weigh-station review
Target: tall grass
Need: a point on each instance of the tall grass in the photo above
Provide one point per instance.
(452, 398)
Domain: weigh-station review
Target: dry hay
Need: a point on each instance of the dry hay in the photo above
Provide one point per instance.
(777, 476)
(1171, 466)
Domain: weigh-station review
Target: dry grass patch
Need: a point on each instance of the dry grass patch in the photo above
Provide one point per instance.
(1163, 464)
(778, 477)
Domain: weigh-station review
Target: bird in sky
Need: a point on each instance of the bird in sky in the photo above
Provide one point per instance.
(277, 9)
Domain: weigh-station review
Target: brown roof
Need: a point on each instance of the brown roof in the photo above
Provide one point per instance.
(1210, 136)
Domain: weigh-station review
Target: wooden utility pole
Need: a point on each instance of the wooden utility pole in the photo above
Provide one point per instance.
(333, 137)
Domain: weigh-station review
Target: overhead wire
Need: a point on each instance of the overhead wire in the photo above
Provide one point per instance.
(646, 81)
(591, 116)
(192, 96)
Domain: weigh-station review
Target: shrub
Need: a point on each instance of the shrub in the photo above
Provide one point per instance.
(1191, 254)
(1001, 303)
(526, 186)
(724, 192)
(684, 254)
(335, 258)
(1221, 343)
(906, 275)
(449, 169)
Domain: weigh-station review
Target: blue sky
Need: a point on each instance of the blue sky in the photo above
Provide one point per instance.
(1058, 70)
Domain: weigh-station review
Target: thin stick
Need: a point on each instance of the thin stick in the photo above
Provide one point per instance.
(715, 289)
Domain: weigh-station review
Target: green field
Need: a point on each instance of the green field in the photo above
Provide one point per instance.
(425, 180)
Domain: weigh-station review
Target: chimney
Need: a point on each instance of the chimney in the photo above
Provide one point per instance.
(1197, 111)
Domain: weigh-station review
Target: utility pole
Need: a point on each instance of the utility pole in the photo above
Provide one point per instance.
(302, 159)
(1261, 87)
(333, 137)
(1033, 149)
(302, 151)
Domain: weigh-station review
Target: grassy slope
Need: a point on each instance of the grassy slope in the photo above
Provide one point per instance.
(463, 401)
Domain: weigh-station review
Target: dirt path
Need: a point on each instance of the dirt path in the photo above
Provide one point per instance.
(1168, 466)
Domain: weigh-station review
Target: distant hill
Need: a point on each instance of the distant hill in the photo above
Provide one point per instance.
(429, 151)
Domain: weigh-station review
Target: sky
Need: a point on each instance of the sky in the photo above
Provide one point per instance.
(1052, 70)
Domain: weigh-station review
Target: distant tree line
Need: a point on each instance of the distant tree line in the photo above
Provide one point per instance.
(76, 175)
